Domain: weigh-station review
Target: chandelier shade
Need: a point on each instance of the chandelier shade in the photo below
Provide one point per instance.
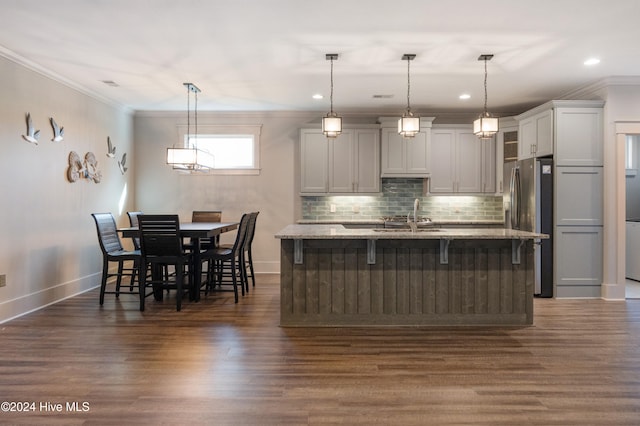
(486, 125)
(409, 124)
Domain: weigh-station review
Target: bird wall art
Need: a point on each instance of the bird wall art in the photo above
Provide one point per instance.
(122, 163)
(111, 150)
(58, 132)
(32, 134)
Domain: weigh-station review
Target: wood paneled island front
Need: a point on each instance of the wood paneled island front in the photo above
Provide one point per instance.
(333, 276)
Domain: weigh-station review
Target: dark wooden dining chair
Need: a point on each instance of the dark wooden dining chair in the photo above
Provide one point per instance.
(112, 251)
(247, 256)
(227, 262)
(161, 246)
(207, 216)
(133, 221)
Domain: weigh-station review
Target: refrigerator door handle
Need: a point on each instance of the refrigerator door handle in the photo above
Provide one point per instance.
(515, 198)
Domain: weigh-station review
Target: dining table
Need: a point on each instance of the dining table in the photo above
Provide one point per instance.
(197, 232)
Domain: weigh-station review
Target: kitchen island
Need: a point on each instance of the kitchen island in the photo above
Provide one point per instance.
(334, 276)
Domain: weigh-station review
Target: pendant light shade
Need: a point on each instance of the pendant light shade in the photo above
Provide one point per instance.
(486, 125)
(409, 124)
(190, 158)
(331, 123)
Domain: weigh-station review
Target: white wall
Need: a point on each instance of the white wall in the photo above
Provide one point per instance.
(48, 245)
(274, 192)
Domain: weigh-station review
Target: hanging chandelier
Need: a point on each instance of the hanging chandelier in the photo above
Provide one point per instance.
(331, 123)
(189, 157)
(486, 125)
(409, 124)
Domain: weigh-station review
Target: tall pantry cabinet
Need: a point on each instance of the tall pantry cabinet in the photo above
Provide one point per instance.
(572, 132)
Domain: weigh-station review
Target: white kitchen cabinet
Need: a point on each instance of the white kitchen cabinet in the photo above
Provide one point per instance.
(457, 157)
(579, 196)
(347, 164)
(489, 165)
(314, 161)
(405, 157)
(577, 261)
(536, 135)
(506, 150)
(579, 137)
(569, 130)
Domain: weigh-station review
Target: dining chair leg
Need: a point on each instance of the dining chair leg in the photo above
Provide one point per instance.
(234, 280)
(243, 272)
(103, 284)
(119, 279)
(253, 278)
(142, 285)
(179, 278)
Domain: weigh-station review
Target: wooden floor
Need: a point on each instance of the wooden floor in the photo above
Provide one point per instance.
(221, 363)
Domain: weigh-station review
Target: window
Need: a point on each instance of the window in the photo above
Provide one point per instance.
(236, 149)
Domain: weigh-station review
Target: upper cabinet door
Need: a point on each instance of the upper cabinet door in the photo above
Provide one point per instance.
(367, 160)
(417, 154)
(443, 161)
(393, 153)
(405, 157)
(544, 134)
(457, 157)
(579, 137)
(314, 156)
(527, 139)
(341, 163)
(469, 162)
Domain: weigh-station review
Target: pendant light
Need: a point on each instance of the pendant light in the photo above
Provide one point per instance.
(331, 123)
(190, 158)
(409, 124)
(486, 125)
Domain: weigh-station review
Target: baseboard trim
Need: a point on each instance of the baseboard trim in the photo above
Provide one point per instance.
(32, 302)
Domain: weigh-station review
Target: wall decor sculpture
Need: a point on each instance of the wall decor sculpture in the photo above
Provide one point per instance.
(87, 169)
(58, 132)
(122, 162)
(111, 150)
(32, 134)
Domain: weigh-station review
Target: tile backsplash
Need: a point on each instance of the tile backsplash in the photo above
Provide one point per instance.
(397, 198)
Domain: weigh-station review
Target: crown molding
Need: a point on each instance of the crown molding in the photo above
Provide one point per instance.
(39, 69)
(592, 89)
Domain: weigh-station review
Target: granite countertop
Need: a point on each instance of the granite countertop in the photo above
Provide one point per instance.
(336, 231)
(381, 222)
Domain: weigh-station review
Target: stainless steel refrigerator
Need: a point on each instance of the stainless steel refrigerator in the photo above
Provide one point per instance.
(529, 207)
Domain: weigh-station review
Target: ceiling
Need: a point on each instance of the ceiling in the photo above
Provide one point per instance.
(251, 55)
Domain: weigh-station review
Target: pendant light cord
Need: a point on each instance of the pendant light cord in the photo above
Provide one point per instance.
(331, 93)
(188, 119)
(485, 86)
(195, 144)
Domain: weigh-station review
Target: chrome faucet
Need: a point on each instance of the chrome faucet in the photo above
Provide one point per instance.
(414, 225)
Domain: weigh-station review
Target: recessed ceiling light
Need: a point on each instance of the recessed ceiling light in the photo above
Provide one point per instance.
(318, 96)
(592, 61)
(110, 83)
(464, 96)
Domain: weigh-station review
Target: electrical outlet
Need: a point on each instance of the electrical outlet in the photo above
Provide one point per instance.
(356, 208)
(3, 280)
(332, 208)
